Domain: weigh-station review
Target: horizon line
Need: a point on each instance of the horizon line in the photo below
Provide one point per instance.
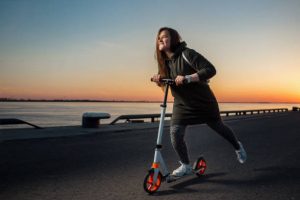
(125, 101)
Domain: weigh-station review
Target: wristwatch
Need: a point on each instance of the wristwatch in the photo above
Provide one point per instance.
(188, 78)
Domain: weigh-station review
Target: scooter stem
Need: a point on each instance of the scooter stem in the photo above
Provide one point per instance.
(162, 116)
(165, 96)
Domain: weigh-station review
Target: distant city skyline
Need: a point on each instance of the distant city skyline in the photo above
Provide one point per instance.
(104, 50)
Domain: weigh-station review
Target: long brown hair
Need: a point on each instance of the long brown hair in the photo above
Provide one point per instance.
(160, 55)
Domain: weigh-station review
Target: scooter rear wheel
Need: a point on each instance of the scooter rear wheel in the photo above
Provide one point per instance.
(200, 166)
(149, 185)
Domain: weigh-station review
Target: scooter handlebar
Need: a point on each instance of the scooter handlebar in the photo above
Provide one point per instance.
(165, 80)
(169, 81)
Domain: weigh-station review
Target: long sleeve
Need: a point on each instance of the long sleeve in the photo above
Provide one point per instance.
(204, 68)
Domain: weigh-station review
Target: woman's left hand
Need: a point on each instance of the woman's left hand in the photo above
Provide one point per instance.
(179, 80)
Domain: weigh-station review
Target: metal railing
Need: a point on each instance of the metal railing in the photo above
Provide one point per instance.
(11, 121)
(132, 118)
(251, 112)
(137, 117)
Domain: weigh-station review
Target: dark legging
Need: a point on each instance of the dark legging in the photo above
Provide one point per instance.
(178, 142)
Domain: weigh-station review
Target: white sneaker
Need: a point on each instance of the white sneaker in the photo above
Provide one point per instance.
(184, 169)
(241, 154)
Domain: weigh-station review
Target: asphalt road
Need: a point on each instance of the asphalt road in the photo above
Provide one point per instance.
(113, 166)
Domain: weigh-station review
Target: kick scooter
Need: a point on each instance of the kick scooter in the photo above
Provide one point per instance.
(159, 172)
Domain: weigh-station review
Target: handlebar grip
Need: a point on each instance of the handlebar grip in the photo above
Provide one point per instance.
(185, 81)
(165, 81)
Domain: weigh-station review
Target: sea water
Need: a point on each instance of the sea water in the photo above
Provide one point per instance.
(46, 114)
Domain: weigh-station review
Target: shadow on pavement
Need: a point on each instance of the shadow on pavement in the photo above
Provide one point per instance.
(181, 187)
(269, 176)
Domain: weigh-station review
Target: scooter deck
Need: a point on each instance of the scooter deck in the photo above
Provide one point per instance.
(172, 178)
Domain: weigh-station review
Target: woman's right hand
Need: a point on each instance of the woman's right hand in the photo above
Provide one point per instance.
(156, 78)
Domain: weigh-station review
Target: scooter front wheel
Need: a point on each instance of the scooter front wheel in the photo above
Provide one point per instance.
(200, 166)
(149, 185)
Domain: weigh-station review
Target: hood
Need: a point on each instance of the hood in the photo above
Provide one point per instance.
(179, 49)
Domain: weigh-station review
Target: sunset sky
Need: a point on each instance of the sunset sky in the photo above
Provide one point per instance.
(104, 49)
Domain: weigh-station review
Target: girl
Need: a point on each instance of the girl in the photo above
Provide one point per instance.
(194, 102)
